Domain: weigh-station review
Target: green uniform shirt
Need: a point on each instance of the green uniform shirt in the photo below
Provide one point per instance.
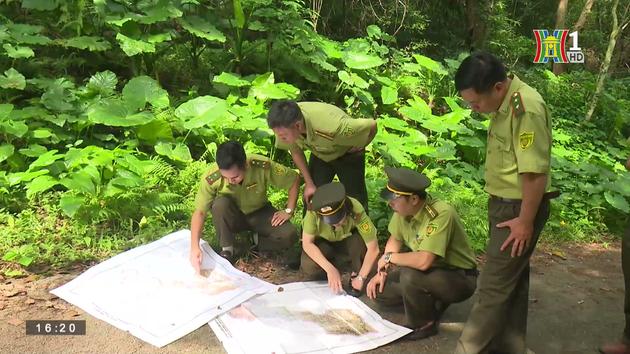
(436, 228)
(251, 194)
(313, 225)
(330, 132)
(519, 141)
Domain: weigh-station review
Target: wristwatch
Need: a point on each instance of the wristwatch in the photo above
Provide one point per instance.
(288, 211)
(387, 257)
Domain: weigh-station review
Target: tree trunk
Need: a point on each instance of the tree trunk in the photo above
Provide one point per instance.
(561, 15)
(586, 10)
(474, 24)
(603, 72)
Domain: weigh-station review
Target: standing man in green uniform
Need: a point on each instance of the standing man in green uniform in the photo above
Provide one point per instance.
(234, 190)
(518, 158)
(336, 226)
(439, 270)
(337, 143)
(623, 347)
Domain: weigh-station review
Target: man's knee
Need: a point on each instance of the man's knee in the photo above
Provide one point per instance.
(220, 205)
(311, 270)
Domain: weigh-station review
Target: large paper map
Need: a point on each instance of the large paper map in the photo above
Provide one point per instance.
(153, 292)
(303, 318)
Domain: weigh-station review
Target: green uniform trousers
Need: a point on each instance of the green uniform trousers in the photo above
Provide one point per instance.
(425, 293)
(229, 220)
(352, 248)
(350, 168)
(498, 320)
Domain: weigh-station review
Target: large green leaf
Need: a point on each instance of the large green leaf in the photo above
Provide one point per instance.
(264, 88)
(142, 90)
(18, 52)
(14, 127)
(352, 79)
(40, 184)
(231, 80)
(177, 152)
(12, 79)
(58, 97)
(70, 204)
(46, 159)
(33, 150)
(90, 43)
(430, 64)
(154, 131)
(389, 95)
(202, 28)
(103, 82)
(6, 150)
(158, 12)
(116, 114)
(42, 5)
(357, 60)
(132, 46)
(239, 15)
(80, 182)
(617, 201)
(5, 110)
(202, 111)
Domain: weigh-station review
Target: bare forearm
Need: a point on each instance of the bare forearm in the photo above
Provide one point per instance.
(300, 161)
(196, 227)
(370, 257)
(533, 190)
(293, 194)
(417, 260)
(393, 245)
(317, 256)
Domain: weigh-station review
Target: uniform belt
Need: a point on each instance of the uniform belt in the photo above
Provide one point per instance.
(471, 272)
(546, 196)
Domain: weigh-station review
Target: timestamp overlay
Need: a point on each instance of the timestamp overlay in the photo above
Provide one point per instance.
(55, 327)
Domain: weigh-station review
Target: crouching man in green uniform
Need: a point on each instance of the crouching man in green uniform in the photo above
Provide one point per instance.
(337, 226)
(234, 190)
(439, 270)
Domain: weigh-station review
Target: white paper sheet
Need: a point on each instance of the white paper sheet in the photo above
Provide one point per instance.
(303, 318)
(153, 292)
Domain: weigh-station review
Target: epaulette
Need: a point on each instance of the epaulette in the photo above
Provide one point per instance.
(213, 177)
(432, 213)
(518, 109)
(259, 163)
(324, 135)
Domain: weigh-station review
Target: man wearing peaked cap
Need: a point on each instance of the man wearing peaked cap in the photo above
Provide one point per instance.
(439, 270)
(234, 190)
(337, 225)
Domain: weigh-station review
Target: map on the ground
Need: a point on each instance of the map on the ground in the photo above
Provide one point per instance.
(153, 292)
(303, 318)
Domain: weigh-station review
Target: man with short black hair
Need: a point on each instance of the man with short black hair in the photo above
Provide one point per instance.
(235, 191)
(336, 141)
(517, 174)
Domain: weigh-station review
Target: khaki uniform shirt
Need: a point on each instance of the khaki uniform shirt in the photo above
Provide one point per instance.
(330, 132)
(519, 141)
(251, 194)
(436, 228)
(314, 225)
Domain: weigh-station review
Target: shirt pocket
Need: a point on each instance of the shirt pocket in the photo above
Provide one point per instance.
(500, 154)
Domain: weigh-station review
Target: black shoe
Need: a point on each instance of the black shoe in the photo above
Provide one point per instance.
(426, 331)
(227, 255)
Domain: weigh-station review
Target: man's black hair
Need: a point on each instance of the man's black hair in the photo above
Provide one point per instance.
(480, 71)
(283, 114)
(230, 154)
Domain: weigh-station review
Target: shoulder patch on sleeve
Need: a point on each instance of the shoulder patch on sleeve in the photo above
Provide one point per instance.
(430, 228)
(516, 101)
(213, 177)
(324, 135)
(259, 163)
(432, 212)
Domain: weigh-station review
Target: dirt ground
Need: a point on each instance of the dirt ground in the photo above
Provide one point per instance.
(576, 304)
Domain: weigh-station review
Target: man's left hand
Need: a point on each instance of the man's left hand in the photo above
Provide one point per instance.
(279, 218)
(520, 234)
